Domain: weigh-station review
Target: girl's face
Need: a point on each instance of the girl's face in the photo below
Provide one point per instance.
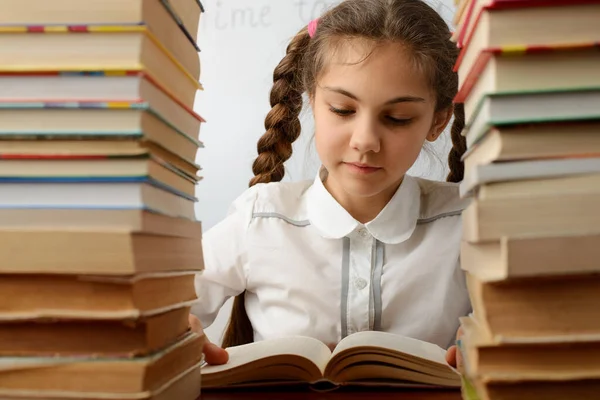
(372, 117)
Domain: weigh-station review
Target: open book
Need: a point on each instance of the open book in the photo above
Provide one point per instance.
(364, 358)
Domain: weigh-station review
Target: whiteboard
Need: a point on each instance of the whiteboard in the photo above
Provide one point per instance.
(241, 42)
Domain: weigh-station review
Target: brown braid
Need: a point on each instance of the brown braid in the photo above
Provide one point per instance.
(274, 148)
(282, 123)
(459, 145)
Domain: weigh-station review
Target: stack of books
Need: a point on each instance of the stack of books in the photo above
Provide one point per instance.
(98, 237)
(529, 75)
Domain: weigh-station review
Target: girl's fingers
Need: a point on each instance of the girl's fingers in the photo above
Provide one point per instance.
(213, 354)
(451, 356)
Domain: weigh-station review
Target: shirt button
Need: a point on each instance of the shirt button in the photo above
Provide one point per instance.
(363, 233)
(360, 283)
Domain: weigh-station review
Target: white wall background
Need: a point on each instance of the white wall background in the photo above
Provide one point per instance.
(242, 41)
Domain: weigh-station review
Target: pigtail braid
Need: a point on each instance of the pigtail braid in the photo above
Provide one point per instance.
(282, 123)
(459, 145)
(282, 126)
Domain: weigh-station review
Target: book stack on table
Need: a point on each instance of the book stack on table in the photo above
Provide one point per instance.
(529, 75)
(98, 237)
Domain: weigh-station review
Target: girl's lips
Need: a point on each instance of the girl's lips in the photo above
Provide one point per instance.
(362, 168)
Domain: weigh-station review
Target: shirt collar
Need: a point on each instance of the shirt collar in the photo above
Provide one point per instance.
(394, 224)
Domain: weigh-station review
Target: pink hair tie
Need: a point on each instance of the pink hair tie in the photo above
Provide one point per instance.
(312, 27)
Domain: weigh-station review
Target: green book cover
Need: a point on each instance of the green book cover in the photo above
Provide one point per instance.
(468, 390)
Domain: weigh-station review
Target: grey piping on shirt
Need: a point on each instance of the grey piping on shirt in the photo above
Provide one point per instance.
(290, 221)
(345, 283)
(376, 272)
(436, 217)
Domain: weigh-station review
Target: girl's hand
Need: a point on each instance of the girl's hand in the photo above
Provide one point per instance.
(453, 355)
(213, 354)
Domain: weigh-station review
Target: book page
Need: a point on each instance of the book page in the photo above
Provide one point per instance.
(397, 343)
(306, 347)
(99, 315)
(20, 363)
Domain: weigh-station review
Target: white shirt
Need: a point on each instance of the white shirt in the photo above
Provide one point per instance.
(309, 268)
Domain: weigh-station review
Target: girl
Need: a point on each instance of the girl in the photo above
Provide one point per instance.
(364, 246)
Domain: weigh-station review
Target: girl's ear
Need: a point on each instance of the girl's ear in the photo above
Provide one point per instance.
(440, 121)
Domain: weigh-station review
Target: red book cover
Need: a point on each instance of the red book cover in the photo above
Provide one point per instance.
(484, 57)
(463, 42)
(65, 156)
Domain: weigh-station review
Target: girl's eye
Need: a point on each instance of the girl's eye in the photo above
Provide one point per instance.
(399, 121)
(341, 112)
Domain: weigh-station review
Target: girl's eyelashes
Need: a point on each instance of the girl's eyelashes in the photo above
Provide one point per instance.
(399, 121)
(346, 112)
(342, 112)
